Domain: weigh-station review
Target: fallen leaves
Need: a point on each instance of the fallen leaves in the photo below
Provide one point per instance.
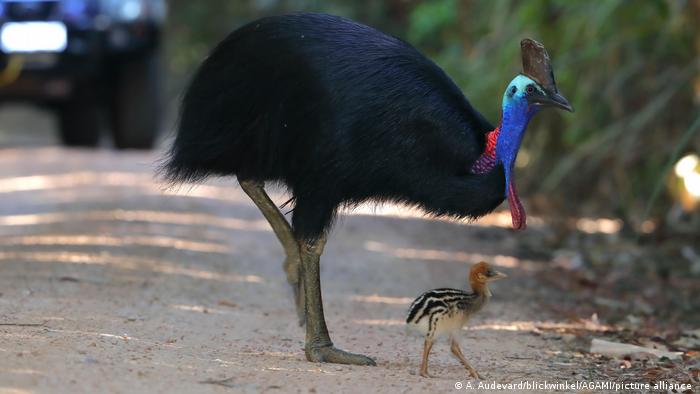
(689, 340)
(228, 303)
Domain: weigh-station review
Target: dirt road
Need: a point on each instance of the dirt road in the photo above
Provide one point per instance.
(110, 284)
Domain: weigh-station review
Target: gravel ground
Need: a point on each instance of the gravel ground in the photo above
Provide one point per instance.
(109, 283)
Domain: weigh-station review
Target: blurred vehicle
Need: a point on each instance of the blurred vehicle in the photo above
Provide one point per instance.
(83, 59)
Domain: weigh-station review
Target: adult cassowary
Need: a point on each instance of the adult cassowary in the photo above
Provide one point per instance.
(341, 113)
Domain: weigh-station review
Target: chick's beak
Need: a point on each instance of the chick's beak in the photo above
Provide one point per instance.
(550, 99)
(498, 275)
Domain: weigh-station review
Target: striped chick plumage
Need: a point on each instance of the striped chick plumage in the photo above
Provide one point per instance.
(443, 311)
(446, 311)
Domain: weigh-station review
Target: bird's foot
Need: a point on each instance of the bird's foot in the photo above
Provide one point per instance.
(425, 374)
(331, 354)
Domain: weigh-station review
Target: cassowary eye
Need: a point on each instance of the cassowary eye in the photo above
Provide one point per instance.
(513, 90)
(530, 89)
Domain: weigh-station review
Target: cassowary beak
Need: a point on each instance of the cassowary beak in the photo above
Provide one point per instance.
(550, 99)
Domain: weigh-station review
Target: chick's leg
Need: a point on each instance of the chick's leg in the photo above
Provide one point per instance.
(283, 231)
(427, 345)
(319, 347)
(458, 352)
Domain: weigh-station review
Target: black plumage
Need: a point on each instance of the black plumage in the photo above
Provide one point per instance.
(339, 113)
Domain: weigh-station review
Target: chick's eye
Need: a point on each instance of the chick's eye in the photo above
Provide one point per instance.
(530, 89)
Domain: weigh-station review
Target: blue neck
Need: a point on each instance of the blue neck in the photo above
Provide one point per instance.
(516, 116)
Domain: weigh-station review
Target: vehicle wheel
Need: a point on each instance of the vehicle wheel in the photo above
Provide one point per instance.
(79, 119)
(135, 102)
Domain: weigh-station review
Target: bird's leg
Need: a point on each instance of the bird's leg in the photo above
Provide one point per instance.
(319, 347)
(283, 231)
(426, 353)
(458, 352)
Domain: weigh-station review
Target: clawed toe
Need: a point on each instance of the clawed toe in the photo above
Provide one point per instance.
(330, 354)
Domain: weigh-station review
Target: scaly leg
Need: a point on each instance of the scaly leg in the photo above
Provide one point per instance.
(319, 347)
(283, 231)
(426, 353)
(458, 352)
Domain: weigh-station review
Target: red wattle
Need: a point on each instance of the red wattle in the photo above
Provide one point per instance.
(491, 141)
(485, 163)
(487, 160)
(517, 212)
